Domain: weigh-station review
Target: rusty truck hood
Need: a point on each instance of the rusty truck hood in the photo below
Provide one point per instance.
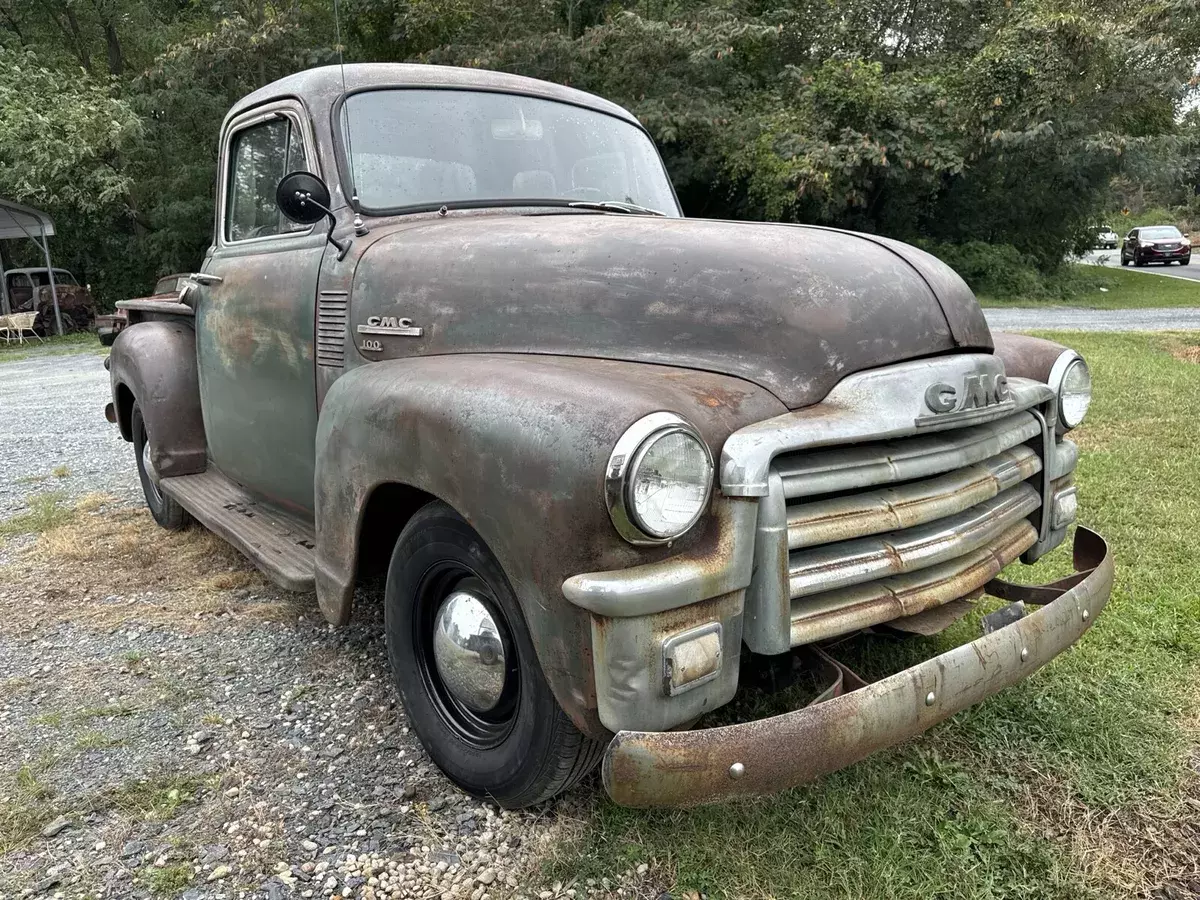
(792, 309)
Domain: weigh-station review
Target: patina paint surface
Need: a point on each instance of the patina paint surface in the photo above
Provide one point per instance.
(255, 336)
(518, 445)
(154, 364)
(793, 310)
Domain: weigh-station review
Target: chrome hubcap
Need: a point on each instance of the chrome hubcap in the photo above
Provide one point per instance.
(468, 651)
(151, 473)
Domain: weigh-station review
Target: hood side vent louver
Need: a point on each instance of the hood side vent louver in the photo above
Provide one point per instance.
(331, 328)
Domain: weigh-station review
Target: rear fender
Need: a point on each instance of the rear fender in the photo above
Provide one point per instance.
(154, 365)
(518, 445)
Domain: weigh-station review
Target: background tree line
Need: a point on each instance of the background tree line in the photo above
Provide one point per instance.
(964, 124)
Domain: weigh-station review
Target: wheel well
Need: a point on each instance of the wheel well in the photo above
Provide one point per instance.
(388, 510)
(125, 411)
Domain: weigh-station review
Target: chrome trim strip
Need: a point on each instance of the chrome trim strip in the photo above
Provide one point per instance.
(677, 580)
(887, 462)
(878, 404)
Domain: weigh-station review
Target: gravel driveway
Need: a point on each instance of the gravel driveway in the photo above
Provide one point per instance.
(172, 725)
(51, 417)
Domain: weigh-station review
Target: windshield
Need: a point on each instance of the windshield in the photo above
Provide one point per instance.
(432, 147)
(1157, 234)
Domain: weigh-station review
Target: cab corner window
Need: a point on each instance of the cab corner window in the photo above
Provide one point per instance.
(259, 157)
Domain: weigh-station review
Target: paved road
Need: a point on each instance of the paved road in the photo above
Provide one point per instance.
(1185, 318)
(1113, 258)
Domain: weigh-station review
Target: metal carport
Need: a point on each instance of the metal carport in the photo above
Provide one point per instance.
(16, 222)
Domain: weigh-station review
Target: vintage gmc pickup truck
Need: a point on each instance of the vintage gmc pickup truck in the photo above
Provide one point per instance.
(454, 330)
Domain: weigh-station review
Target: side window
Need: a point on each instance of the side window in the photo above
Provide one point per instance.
(20, 291)
(259, 157)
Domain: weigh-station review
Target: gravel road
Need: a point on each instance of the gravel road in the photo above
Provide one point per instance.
(1067, 319)
(52, 417)
(172, 725)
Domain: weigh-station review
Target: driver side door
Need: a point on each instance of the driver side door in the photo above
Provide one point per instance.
(255, 317)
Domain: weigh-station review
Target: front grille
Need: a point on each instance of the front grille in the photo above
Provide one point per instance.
(859, 535)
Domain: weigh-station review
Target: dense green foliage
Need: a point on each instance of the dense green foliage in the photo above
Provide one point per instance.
(952, 121)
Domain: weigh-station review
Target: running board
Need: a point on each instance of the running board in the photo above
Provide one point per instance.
(279, 543)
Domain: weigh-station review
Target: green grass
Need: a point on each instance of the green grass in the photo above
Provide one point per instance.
(83, 342)
(28, 804)
(168, 881)
(43, 512)
(1124, 289)
(96, 740)
(1067, 785)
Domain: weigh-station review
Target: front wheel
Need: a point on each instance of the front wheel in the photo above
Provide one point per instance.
(166, 511)
(467, 671)
(1124, 260)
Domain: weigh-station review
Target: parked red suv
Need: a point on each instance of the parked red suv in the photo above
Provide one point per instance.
(1156, 243)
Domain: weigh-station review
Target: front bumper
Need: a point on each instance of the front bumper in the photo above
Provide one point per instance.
(1164, 255)
(683, 768)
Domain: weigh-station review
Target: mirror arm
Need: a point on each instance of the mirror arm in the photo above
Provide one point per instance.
(343, 247)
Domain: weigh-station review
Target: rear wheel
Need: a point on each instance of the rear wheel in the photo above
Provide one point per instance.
(467, 671)
(166, 511)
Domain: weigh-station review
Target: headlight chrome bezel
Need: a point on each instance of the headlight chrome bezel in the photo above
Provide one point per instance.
(629, 449)
(1067, 360)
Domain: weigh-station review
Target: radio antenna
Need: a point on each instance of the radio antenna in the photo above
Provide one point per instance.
(337, 26)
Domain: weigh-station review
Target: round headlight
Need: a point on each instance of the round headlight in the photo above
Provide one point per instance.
(658, 480)
(1072, 381)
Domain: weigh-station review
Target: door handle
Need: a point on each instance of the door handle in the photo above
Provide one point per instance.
(205, 278)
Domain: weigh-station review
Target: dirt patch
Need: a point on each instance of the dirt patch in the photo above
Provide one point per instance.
(1184, 350)
(109, 564)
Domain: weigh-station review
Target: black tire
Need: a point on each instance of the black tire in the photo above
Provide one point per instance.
(166, 511)
(525, 750)
(1137, 262)
(1124, 261)
(1185, 260)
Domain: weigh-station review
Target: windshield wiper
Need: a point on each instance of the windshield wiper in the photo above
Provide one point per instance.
(615, 206)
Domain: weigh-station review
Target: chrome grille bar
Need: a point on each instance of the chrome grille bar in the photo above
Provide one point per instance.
(873, 512)
(854, 562)
(838, 612)
(887, 462)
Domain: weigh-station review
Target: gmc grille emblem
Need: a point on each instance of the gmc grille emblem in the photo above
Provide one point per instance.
(977, 392)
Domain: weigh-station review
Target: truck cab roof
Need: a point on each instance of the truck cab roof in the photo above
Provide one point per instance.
(320, 87)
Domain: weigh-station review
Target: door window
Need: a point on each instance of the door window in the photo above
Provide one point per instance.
(260, 156)
(20, 291)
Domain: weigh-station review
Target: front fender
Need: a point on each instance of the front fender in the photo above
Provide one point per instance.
(518, 446)
(154, 365)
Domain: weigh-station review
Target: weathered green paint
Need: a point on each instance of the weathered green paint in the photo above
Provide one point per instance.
(255, 342)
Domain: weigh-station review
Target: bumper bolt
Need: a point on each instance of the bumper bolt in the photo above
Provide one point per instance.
(1085, 615)
(929, 698)
(1024, 654)
(736, 771)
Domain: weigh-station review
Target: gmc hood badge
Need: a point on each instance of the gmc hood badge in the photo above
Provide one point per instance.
(392, 325)
(977, 396)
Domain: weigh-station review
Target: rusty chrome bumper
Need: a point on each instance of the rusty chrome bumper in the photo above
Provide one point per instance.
(684, 768)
